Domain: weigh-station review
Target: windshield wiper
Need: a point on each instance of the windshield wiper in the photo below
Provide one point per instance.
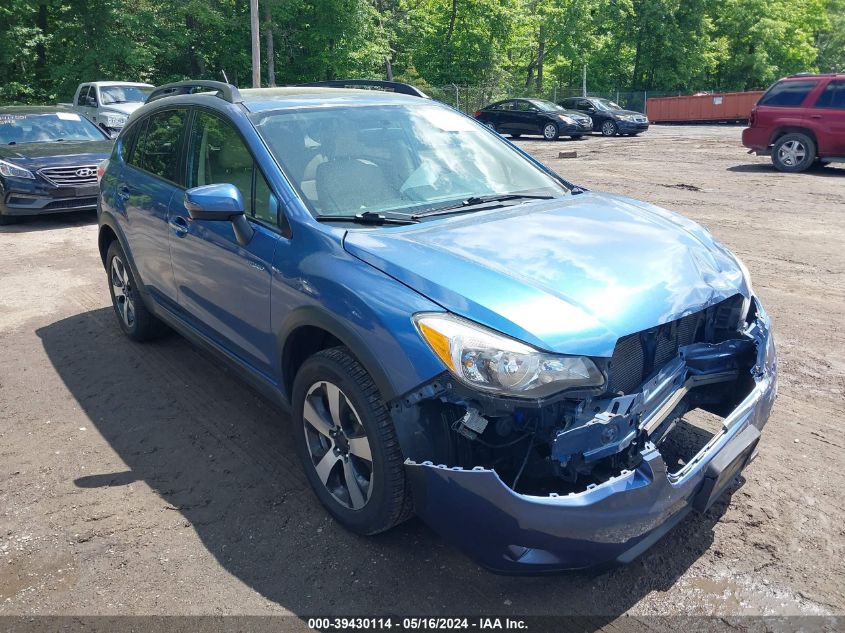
(474, 201)
(368, 217)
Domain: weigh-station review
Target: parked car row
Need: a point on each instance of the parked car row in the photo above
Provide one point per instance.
(571, 117)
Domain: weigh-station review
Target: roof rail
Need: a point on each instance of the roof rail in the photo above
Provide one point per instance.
(225, 91)
(377, 84)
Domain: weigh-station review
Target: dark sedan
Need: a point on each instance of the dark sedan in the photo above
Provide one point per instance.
(608, 117)
(48, 161)
(534, 116)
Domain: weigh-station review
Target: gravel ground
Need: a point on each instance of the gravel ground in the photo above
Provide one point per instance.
(146, 479)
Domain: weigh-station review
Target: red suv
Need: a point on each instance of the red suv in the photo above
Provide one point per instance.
(799, 120)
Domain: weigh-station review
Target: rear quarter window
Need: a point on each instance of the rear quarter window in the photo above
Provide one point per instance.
(833, 96)
(785, 94)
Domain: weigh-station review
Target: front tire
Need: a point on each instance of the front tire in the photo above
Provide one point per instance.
(136, 321)
(550, 132)
(794, 153)
(576, 137)
(347, 444)
(7, 219)
(609, 128)
(515, 135)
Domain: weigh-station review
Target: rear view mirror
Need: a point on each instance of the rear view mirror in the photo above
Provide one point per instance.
(220, 203)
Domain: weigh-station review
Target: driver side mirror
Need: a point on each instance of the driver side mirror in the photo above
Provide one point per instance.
(91, 101)
(220, 203)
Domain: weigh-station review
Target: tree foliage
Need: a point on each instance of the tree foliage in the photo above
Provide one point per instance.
(48, 46)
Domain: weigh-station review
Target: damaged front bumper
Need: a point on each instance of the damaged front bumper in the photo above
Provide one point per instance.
(613, 521)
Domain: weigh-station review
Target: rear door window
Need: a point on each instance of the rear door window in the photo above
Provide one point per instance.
(785, 94)
(833, 96)
(162, 145)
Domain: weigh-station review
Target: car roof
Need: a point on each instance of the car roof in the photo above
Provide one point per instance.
(294, 97)
(119, 83)
(29, 109)
(799, 76)
(260, 99)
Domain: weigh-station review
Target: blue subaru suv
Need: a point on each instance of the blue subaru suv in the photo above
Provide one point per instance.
(551, 378)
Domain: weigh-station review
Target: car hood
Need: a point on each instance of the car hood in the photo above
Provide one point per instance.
(623, 112)
(569, 275)
(123, 108)
(577, 114)
(37, 155)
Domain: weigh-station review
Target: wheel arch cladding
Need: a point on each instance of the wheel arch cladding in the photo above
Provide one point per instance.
(311, 329)
(106, 236)
(793, 129)
(302, 343)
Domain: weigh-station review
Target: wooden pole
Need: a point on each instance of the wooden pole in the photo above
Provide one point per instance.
(256, 44)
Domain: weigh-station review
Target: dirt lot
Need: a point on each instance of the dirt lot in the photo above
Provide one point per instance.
(146, 479)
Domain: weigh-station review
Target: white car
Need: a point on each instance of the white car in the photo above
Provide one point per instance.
(108, 104)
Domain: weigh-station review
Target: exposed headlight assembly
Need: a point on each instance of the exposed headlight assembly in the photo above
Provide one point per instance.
(486, 360)
(13, 171)
(113, 120)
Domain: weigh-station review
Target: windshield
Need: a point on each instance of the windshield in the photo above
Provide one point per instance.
(546, 106)
(399, 158)
(124, 94)
(607, 104)
(18, 129)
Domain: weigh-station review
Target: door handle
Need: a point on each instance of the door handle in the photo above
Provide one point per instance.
(123, 193)
(815, 116)
(179, 226)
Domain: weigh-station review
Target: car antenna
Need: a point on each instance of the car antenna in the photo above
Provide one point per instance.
(225, 78)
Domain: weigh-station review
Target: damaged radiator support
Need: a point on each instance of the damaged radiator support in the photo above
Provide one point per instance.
(608, 426)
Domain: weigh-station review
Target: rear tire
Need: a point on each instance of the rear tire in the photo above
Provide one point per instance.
(576, 137)
(347, 444)
(793, 153)
(136, 321)
(515, 135)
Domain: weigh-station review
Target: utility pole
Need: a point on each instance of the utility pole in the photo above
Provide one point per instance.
(256, 44)
(584, 82)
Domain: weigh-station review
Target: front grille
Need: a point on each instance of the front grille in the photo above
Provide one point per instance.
(637, 356)
(70, 176)
(74, 203)
(640, 119)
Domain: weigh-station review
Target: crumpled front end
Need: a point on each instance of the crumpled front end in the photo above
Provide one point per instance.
(592, 478)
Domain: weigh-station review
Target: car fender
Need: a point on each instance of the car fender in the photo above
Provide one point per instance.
(360, 306)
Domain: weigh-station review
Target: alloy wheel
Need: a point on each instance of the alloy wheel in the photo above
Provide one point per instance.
(122, 291)
(608, 128)
(337, 445)
(550, 131)
(792, 153)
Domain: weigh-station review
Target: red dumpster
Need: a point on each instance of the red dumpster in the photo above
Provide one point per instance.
(716, 107)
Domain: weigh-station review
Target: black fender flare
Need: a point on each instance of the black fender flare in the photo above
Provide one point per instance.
(107, 219)
(312, 316)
